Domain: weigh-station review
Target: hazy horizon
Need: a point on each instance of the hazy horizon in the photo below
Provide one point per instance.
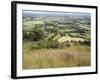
(53, 13)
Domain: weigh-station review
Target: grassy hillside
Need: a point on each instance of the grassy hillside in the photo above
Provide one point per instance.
(51, 41)
(51, 58)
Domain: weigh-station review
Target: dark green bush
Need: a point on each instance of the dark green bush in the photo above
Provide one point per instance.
(68, 44)
(43, 44)
(52, 44)
(87, 43)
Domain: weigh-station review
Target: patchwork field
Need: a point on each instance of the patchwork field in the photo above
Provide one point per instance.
(56, 39)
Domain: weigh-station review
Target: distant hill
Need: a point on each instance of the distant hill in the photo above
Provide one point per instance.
(30, 14)
(56, 25)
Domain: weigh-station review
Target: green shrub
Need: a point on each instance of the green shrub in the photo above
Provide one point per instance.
(87, 43)
(40, 45)
(68, 45)
(31, 45)
(52, 44)
(43, 44)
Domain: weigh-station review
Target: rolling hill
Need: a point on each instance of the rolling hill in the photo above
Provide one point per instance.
(55, 26)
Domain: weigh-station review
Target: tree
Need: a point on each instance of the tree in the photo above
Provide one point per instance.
(37, 33)
(34, 34)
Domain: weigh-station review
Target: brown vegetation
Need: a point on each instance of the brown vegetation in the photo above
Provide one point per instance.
(73, 56)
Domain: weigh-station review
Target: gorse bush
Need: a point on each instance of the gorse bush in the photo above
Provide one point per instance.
(31, 45)
(48, 44)
(88, 43)
(68, 45)
(52, 44)
(41, 45)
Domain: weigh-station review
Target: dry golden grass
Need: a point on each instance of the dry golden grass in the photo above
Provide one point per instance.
(54, 58)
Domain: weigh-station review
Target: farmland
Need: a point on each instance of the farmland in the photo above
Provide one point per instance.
(51, 41)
